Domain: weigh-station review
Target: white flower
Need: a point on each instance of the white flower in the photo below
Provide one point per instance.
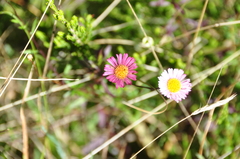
(173, 85)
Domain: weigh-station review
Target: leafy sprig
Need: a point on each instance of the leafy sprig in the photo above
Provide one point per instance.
(79, 29)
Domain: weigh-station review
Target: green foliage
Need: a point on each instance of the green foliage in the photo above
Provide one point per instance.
(75, 40)
(43, 38)
(56, 145)
(15, 19)
(79, 29)
(223, 115)
(80, 118)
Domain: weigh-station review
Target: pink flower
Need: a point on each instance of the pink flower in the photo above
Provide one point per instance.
(172, 84)
(121, 71)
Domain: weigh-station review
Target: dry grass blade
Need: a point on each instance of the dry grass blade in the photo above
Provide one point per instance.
(203, 139)
(190, 120)
(190, 57)
(236, 148)
(204, 74)
(206, 108)
(106, 12)
(202, 29)
(143, 97)
(19, 63)
(157, 34)
(23, 118)
(40, 80)
(214, 105)
(114, 41)
(145, 34)
(112, 28)
(144, 111)
(24, 133)
(50, 46)
(59, 88)
(125, 130)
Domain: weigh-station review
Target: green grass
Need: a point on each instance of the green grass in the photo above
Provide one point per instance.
(55, 103)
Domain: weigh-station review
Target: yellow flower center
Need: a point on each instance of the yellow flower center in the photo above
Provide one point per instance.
(173, 85)
(121, 71)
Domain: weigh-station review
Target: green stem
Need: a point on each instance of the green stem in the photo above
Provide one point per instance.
(144, 87)
(152, 88)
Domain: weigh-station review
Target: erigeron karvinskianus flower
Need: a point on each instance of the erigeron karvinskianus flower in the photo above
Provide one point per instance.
(173, 85)
(121, 70)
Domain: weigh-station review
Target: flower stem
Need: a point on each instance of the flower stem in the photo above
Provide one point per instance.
(152, 88)
(145, 87)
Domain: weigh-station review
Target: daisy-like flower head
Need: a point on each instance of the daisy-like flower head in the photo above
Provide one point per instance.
(173, 85)
(121, 70)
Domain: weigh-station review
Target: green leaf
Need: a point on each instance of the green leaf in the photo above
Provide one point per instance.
(67, 69)
(41, 35)
(58, 145)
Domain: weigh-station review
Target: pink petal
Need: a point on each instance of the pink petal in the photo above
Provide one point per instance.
(125, 56)
(119, 83)
(119, 58)
(111, 78)
(127, 81)
(133, 66)
(130, 62)
(107, 73)
(132, 71)
(127, 61)
(112, 61)
(122, 59)
(132, 77)
(108, 68)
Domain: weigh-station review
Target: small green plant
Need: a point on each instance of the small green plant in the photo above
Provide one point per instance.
(77, 35)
